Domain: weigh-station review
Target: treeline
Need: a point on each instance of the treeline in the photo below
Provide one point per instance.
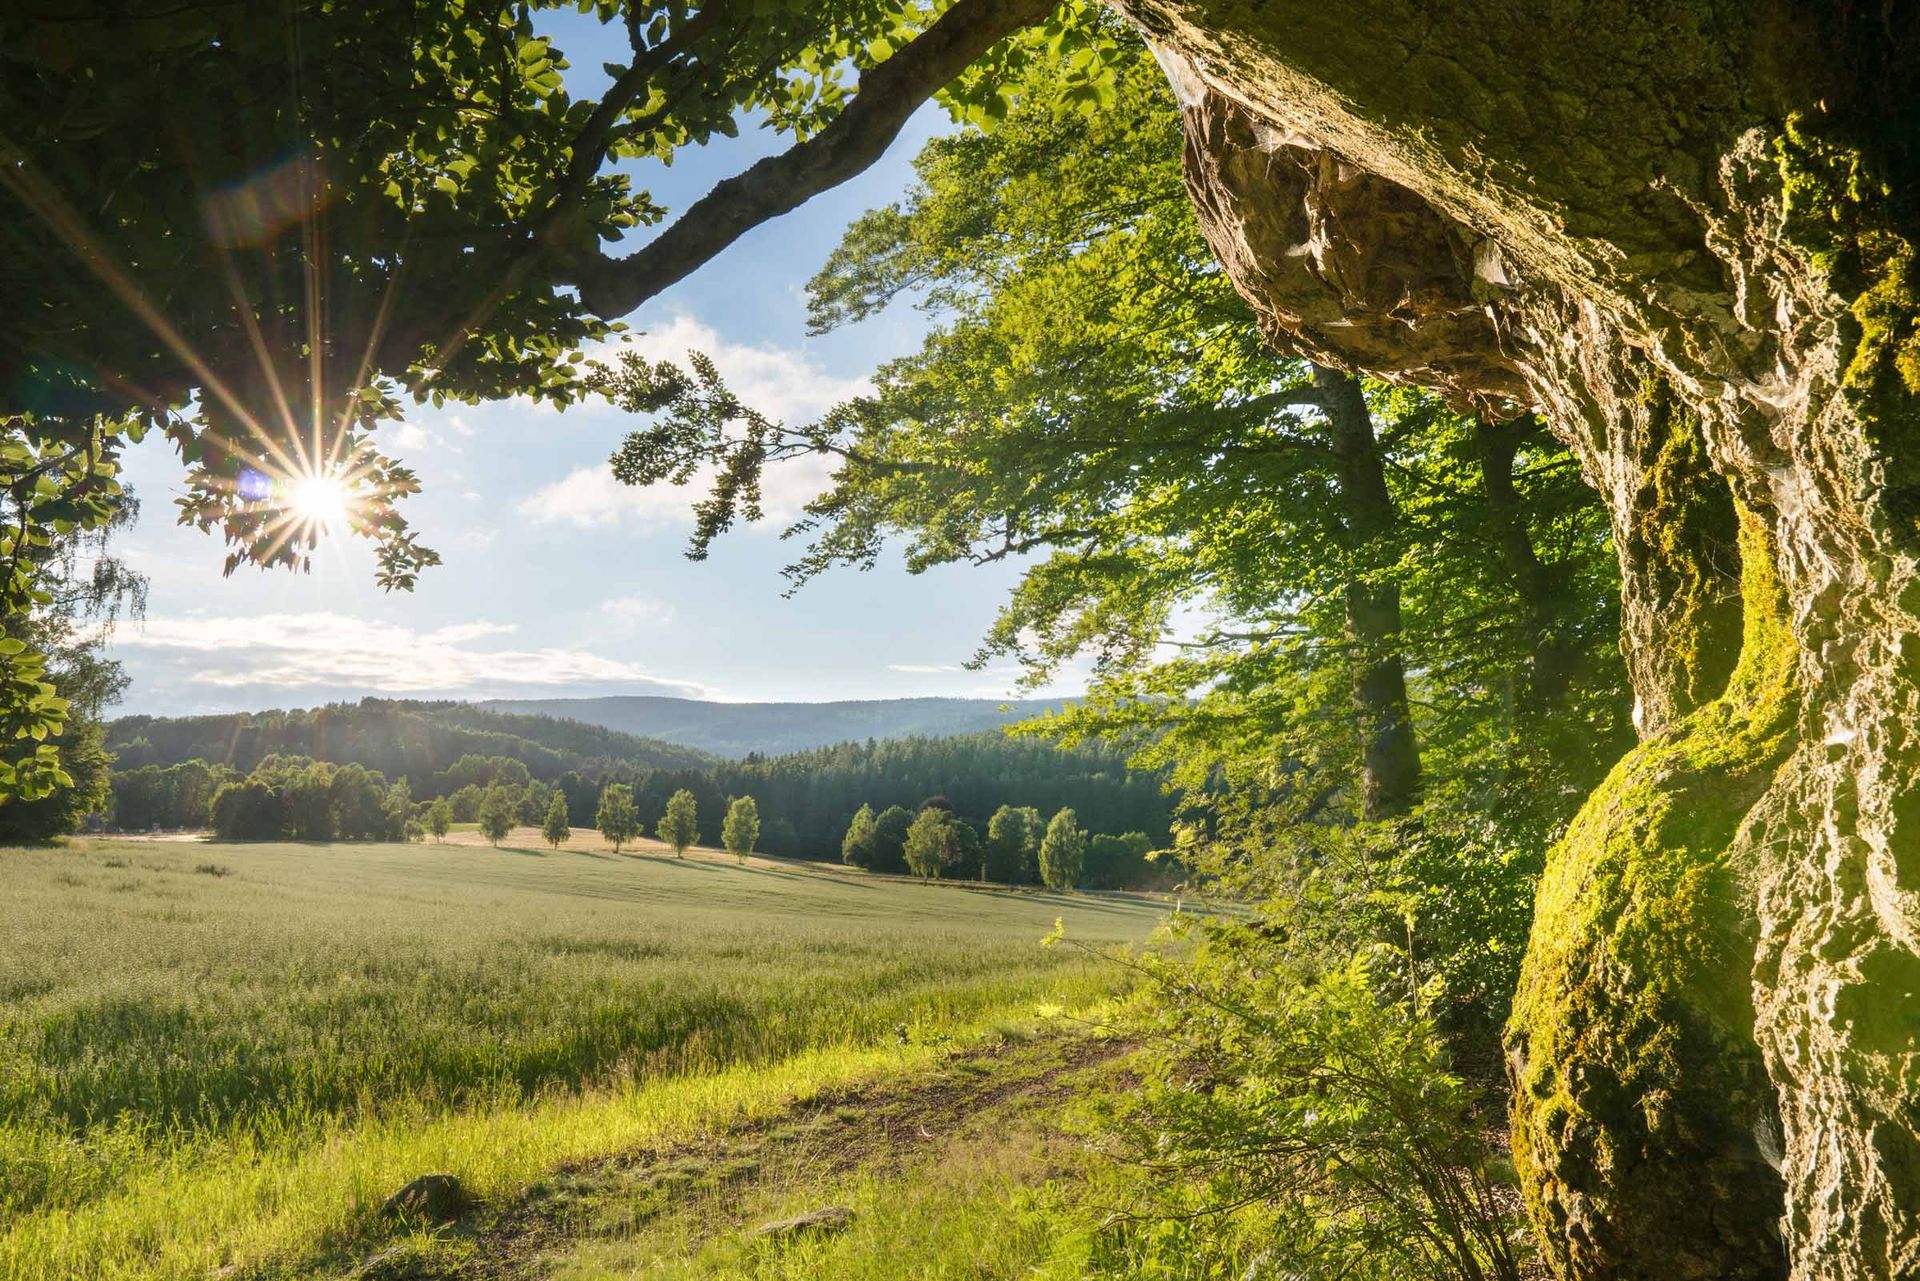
(294, 798)
(819, 791)
(806, 801)
(397, 737)
(1016, 847)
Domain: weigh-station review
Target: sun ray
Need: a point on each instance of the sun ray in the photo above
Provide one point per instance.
(32, 190)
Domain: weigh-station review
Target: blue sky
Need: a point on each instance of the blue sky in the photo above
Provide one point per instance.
(558, 581)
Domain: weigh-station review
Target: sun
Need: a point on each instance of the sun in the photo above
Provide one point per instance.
(320, 500)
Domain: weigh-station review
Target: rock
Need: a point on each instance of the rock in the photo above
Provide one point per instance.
(830, 1218)
(437, 1198)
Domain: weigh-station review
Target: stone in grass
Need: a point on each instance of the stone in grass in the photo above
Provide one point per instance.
(437, 1198)
(829, 1218)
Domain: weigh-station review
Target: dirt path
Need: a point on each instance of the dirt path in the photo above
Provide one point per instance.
(873, 1127)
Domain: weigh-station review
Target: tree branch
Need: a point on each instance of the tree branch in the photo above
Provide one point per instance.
(888, 94)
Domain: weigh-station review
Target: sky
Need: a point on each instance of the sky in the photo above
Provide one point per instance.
(558, 581)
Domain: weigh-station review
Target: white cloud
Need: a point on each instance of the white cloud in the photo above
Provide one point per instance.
(924, 669)
(327, 650)
(409, 436)
(638, 610)
(784, 384)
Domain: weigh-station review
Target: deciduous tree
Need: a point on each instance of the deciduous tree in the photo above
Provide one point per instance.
(1063, 852)
(742, 827)
(930, 845)
(680, 825)
(498, 813)
(616, 819)
(555, 829)
(859, 848)
(440, 818)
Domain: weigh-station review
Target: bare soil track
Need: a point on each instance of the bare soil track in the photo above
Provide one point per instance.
(872, 1127)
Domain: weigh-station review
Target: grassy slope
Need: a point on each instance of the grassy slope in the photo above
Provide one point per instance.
(200, 1067)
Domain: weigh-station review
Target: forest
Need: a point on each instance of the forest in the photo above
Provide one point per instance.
(1473, 446)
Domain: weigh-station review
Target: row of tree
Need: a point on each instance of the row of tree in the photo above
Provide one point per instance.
(804, 802)
(1015, 848)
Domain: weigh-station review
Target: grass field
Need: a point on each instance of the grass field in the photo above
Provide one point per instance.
(218, 1056)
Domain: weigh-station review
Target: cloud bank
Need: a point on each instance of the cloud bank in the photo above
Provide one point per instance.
(328, 651)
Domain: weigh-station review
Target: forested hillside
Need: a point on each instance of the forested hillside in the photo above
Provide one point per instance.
(739, 729)
(396, 737)
(168, 772)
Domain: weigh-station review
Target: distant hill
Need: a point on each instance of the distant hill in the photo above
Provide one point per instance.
(395, 736)
(737, 729)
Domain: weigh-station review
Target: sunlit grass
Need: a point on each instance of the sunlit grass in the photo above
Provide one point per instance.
(197, 1069)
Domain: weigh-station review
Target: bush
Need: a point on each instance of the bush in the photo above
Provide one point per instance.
(1314, 1110)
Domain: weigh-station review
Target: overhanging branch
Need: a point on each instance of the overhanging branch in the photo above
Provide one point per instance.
(888, 94)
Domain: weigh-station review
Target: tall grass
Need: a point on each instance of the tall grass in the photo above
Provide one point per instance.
(296, 1036)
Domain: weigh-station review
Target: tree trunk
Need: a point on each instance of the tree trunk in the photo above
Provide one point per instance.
(1685, 235)
(1390, 756)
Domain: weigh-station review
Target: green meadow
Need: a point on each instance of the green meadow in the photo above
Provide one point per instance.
(222, 1058)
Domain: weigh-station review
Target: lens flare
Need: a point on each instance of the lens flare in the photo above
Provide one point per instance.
(320, 500)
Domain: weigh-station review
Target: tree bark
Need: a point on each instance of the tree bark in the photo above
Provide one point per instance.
(1686, 236)
(887, 95)
(1546, 673)
(1390, 755)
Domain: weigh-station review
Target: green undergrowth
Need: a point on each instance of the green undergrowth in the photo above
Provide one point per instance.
(198, 1070)
(1638, 1084)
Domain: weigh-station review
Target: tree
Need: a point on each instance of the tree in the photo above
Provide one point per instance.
(890, 839)
(615, 817)
(1062, 851)
(1013, 844)
(497, 814)
(680, 825)
(440, 818)
(859, 847)
(1117, 862)
(554, 829)
(247, 811)
(742, 828)
(930, 844)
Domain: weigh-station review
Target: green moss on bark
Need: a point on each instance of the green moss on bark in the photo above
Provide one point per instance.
(1683, 541)
(1845, 215)
(1639, 1092)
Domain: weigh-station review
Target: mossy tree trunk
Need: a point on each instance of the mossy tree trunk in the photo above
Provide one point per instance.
(1684, 234)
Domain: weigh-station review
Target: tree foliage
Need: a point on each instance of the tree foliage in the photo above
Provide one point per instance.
(932, 844)
(497, 814)
(554, 828)
(679, 825)
(1063, 852)
(439, 818)
(615, 819)
(742, 827)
